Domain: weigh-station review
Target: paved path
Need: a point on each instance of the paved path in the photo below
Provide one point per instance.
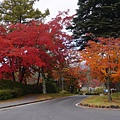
(58, 109)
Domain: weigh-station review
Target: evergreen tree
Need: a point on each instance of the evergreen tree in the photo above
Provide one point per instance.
(100, 17)
(19, 11)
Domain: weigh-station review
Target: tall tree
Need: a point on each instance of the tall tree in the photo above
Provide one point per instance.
(19, 11)
(100, 17)
(43, 41)
(103, 60)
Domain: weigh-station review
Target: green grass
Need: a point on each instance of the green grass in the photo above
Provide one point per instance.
(99, 101)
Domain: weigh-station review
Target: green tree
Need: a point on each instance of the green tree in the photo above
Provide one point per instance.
(19, 11)
(100, 17)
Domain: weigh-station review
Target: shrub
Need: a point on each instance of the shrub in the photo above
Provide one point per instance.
(84, 91)
(17, 92)
(8, 84)
(64, 92)
(5, 94)
(10, 89)
(51, 87)
(35, 89)
(98, 90)
(92, 93)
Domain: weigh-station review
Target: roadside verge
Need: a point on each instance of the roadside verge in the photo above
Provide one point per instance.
(100, 102)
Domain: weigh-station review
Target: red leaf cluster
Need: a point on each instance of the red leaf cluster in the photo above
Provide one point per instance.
(32, 45)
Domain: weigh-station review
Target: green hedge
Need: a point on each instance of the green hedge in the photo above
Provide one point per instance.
(99, 90)
(51, 87)
(17, 87)
(10, 89)
(6, 94)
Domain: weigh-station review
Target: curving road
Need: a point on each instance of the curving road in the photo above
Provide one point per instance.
(59, 109)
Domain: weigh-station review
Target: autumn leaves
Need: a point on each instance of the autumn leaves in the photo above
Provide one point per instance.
(24, 48)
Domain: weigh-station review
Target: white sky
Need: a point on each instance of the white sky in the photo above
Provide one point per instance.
(57, 5)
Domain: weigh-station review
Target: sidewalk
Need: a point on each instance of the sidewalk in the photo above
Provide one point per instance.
(19, 101)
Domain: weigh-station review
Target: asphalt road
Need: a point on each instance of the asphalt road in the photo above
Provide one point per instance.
(59, 109)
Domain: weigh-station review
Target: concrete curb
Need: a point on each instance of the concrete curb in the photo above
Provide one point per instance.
(96, 107)
(28, 102)
(24, 103)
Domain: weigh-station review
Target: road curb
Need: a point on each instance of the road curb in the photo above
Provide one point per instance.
(96, 107)
(25, 103)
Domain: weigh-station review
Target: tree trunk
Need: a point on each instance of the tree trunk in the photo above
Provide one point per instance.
(62, 83)
(109, 92)
(21, 74)
(88, 78)
(38, 80)
(13, 75)
(25, 81)
(43, 80)
(108, 84)
(20, 20)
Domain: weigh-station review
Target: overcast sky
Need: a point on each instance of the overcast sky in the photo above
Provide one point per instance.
(56, 5)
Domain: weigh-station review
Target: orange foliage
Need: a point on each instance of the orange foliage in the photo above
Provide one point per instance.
(103, 58)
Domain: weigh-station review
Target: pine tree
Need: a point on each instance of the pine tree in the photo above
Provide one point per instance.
(100, 17)
(19, 11)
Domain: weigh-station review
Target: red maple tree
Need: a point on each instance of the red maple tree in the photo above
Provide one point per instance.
(33, 47)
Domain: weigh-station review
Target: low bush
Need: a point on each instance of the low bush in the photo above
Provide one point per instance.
(92, 93)
(6, 94)
(51, 87)
(10, 89)
(17, 92)
(63, 92)
(98, 90)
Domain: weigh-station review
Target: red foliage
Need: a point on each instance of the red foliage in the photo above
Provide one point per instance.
(33, 44)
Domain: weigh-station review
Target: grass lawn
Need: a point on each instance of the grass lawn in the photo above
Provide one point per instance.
(52, 96)
(102, 101)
